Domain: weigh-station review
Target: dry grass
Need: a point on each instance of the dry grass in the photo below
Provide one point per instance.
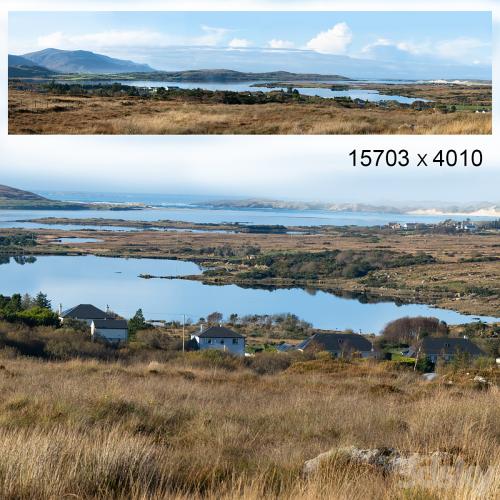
(31, 113)
(181, 430)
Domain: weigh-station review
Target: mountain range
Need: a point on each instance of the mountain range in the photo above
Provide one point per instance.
(20, 67)
(74, 61)
(176, 60)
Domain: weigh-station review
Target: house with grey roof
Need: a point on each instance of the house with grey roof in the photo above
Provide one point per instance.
(445, 348)
(82, 312)
(339, 345)
(219, 338)
(114, 331)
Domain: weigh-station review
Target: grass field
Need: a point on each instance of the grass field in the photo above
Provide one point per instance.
(35, 113)
(195, 427)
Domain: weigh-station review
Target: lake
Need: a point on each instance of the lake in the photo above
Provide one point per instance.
(71, 280)
(365, 95)
(193, 214)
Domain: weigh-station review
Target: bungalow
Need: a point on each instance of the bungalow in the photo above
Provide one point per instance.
(445, 348)
(114, 331)
(82, 312)
(339, 345)
(220, 338)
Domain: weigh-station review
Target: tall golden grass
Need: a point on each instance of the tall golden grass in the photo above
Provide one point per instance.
(184, 430)
(110, 115)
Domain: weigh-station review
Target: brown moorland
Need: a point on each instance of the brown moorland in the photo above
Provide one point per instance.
(204, 427)
(38, 113)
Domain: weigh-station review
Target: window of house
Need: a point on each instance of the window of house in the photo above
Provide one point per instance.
(221, 341)
(235, 341)
(209, 341)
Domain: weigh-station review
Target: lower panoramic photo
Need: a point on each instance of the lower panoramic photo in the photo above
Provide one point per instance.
(250, 73)
(203, 346)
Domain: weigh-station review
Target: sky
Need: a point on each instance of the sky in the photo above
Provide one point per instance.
(291, 167)
(439, 38)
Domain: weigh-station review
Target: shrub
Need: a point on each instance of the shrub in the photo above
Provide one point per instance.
(213, 358)
(268, 363)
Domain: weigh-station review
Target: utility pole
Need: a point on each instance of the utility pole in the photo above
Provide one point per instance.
(418, 350)
(183, 331)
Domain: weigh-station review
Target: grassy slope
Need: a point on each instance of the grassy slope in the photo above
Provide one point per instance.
(187, 430)
(128, 115)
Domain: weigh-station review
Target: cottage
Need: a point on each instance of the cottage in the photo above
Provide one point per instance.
(82, 312)
(445, 348)
(114, 331)
(339, 345)
(220, 338)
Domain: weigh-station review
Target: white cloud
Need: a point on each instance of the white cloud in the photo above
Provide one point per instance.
(280, 44)
(334, 41)
(104, 39)
(120, 39)
(239, 43)
(464, 50)
(459, 48)
(212, 36)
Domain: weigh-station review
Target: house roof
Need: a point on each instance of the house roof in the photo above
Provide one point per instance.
(449, 345)
(285, 347)
(220, 332)
(337, 342)
(110, 324)
(84, 311)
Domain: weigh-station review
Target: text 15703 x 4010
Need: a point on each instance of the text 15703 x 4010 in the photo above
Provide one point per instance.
(403, 158)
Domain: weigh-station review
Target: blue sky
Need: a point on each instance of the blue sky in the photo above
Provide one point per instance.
(435, 37)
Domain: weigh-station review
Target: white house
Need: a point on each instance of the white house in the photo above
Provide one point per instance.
(82, 312)
(220, 338)
(114, 331)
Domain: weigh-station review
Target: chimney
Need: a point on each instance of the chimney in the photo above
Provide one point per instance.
(107, 311)
(201, 328)
(60, 309)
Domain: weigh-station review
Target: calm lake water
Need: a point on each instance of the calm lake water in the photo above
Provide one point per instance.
(68, 241)
(366, 95)
(99, 280)
(311, 218)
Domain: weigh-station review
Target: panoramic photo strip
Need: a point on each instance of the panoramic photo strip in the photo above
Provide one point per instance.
(250, 73)
(252, 254)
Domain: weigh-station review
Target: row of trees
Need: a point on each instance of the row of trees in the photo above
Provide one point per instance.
(29, 310)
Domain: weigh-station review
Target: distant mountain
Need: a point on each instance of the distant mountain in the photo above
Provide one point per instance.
(486, 209)
(10, 193)
(227, 75)
(17, 199)
(219, 76)
(307, 61)
(20, 67)
(83, 61)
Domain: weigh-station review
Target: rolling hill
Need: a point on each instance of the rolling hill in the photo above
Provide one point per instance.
(18, 199)
(83, 61)
(10, 193)
(20, 67)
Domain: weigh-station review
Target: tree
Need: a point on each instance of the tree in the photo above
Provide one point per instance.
(137, 322)
(215, 318)
(407, 330)
(41, 300)
(27, 301)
